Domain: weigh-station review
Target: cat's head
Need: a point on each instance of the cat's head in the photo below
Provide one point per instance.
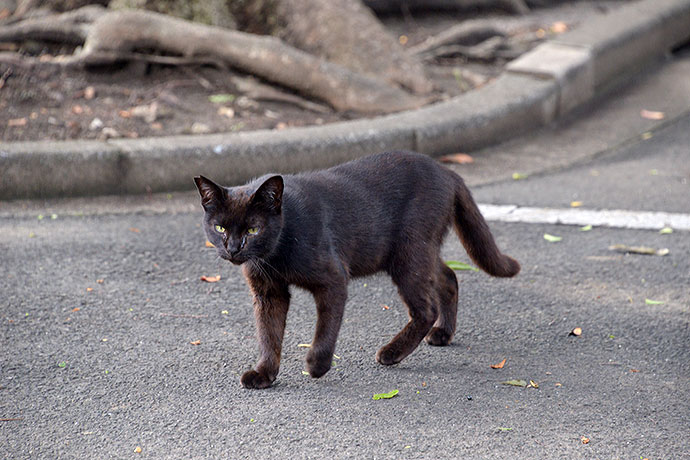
(243, 223)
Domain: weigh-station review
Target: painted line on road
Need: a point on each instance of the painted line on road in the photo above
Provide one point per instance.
(615, 218)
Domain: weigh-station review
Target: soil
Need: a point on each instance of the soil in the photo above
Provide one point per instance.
(143, 100)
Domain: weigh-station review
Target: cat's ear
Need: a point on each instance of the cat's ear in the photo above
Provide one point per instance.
(210, 191)
(270, 194)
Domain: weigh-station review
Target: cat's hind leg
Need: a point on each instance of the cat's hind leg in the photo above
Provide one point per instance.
(447, 287)
(417, 289)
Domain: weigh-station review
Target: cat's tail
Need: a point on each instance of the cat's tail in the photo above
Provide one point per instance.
(476, 236)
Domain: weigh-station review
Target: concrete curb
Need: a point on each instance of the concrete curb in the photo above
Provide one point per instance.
(548, 82)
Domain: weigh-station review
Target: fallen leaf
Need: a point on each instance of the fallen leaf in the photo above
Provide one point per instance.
(666, 230)
(646, 136)
(89, 92)
(385, 307)
(75, 309)
(304, 345)
(515, 383)
(533, 384)
(653, 302)
(584, 439)
(388, 395)
(501, 428)
(644, 250)
(62, 365)
(652, 114)
(196, 342)
(137, 450)
(221, 98)
(455, 265)
(634, 370)
(305, 373)
(209, 244)
(89, 289)
(552, 238)
(457, 158)
(210, 279)
(134, 230)
(519, 176)
(586, 228)
(576, 332)
(575, 204)
(499, 365)
(224, 312)
(99, 281)
(17, 122)
(559, 27)
(125, 113)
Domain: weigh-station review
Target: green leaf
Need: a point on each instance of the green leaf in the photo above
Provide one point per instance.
(62, 364)
(501, 428)
(388, 395)
(552, 238)
(519, 176)
(666, 230)
(586, 228)
(653, 302)
(223, 98)
(455, 265)
(515, 383)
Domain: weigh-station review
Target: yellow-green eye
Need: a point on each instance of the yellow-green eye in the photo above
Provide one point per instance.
(220, 229)
(253, 230)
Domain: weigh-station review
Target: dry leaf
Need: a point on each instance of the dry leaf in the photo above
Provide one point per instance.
(137, 450)
(134, 230)
(577, 331)
(99, 281)
(575, 204)
(125, 113)
(499, 365)
(559, 27)
(209, 244)
(89, 289)
(652, 115)
(385, 307)
(584, 439)
(89, 92)
(534, 384)
(457, 158)
(210, 279)
(634, 370)
(196, 342)
(75, 309)
(16, 122)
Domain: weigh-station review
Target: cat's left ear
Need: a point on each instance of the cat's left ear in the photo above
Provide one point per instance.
(270, 194)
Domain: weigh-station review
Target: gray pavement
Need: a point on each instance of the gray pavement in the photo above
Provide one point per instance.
(101, 304)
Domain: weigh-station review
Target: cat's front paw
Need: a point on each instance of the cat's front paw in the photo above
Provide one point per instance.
(255, 380)
(438, 337)
(388, 356)
(318, 363)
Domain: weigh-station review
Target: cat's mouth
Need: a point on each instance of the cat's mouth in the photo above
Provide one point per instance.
(237, 259)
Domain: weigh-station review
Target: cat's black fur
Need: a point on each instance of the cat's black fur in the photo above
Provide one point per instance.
(317, 230)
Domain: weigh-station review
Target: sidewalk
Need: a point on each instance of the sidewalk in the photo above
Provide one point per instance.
(543, 85)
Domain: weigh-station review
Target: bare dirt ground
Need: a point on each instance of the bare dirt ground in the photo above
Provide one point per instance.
(142, 100)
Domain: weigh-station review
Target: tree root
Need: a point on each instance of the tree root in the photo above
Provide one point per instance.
(394, 6)
(112, 36)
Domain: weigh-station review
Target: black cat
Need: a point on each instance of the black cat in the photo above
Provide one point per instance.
(317, 230)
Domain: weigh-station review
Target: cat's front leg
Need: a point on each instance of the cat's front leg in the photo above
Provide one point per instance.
(330, 305)
(270, 310)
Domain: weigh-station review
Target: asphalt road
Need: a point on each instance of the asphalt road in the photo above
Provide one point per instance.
(101, 304)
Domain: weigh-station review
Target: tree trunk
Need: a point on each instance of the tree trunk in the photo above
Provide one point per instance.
(345, 32)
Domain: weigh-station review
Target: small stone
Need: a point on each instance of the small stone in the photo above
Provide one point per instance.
(108, 133)
(199, 128)
(96, 124)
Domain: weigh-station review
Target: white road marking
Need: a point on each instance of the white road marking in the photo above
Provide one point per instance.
(615, 218)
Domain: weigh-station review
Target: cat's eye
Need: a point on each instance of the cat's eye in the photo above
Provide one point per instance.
(220, 228)
(253, 230)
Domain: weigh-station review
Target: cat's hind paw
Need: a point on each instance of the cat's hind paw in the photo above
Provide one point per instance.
(255, 380)
(438, 337)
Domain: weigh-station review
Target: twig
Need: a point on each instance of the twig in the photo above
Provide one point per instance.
(173, 315)
(11, 419)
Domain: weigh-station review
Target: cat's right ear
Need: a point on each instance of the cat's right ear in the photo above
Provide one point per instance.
(210, 191)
